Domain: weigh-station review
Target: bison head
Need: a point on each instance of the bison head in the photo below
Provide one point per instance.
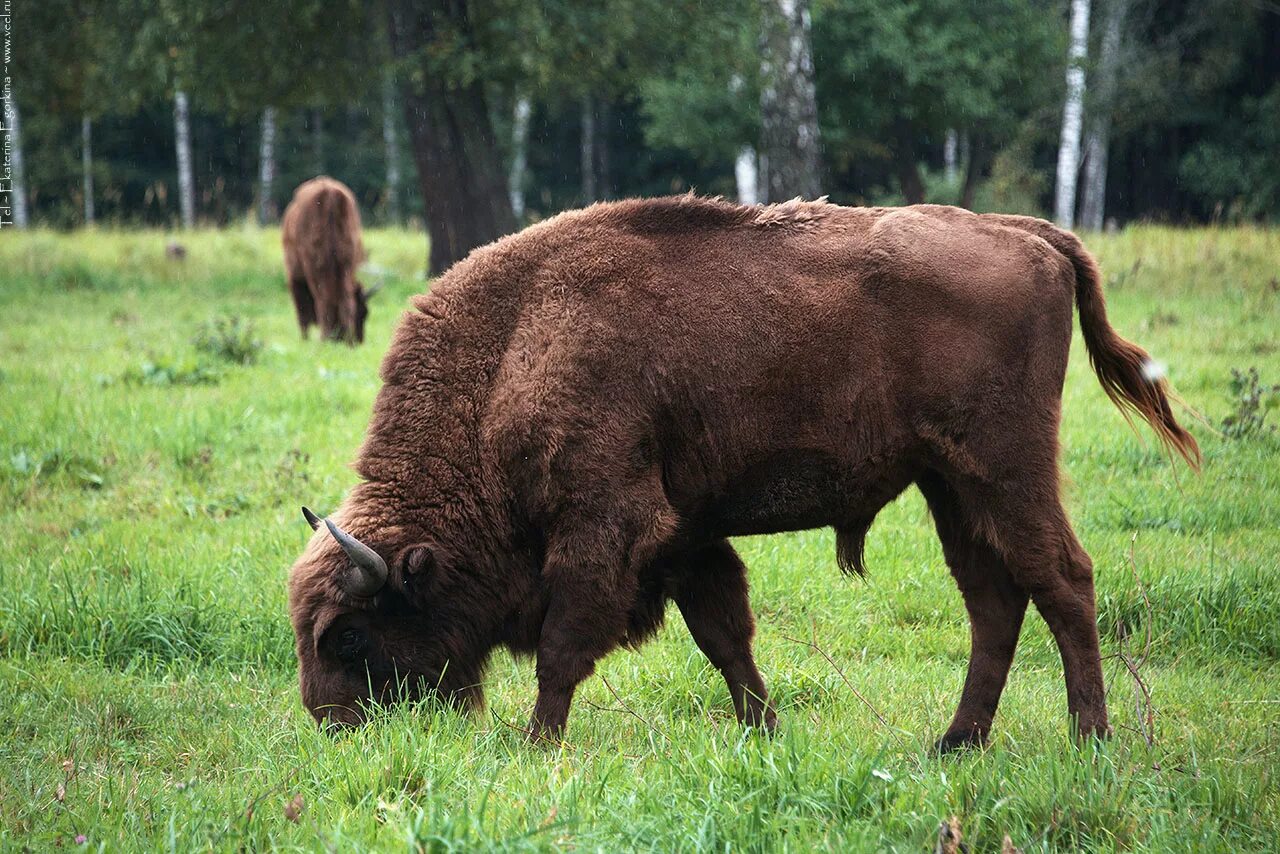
(363, 295)
(377, 623)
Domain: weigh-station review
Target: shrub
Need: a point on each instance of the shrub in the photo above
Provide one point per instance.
(231, 339)
(1252, 401)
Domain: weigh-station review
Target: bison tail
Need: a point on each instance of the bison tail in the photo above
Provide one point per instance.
(1133, 381)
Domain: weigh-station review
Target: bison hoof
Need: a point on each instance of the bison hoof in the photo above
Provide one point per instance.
(962, 740)
(1090, 732)
(544, 735)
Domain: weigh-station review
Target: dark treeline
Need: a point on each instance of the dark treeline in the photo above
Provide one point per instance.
(475, 117)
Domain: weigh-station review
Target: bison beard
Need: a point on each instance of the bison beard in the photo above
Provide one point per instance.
(322, 249)
(577, 418)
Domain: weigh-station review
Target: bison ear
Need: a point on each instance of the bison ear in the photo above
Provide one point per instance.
(422, 568)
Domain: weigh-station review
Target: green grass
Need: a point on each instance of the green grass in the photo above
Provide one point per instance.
(148, 516)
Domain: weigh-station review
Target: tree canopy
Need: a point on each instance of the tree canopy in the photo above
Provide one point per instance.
(1194, 134)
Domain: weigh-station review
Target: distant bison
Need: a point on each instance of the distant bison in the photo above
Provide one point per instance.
(576, 418)
(322, 249)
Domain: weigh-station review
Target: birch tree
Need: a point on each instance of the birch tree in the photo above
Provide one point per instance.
(950, 145)
(17, 171)
(86, 166)
(1098, 140)
(791, 162)
(1072, 117)
(587, 150)
(267, 168)
(746, 175)
(182, 143)
(391, 148)
(519, 154)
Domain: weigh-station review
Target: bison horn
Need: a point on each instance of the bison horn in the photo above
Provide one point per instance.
(370, 293)
(368, 572)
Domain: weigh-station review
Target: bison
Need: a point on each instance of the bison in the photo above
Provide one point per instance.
(322, 249)
(576, 418)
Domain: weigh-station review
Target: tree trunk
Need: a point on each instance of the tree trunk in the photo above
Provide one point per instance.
(791, 158)
(86, 165)
(317, 142)
(979, 157)
(1072, 117)
(746, 173)
(460, 171)
(267, 168)
(16, 179)
(391, 148)
(604, 115)
(949, 148)
(519, 154)
(182, 142)
(906, 163)
(587, 150)
(1093, 205)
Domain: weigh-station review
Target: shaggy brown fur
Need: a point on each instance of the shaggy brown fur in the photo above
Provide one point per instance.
(322, 249)
(576, 418)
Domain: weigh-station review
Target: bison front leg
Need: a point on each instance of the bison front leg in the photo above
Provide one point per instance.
(590, 594)
(711, 592)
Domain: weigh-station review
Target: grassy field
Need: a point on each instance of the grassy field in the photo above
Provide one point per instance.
(149, 493)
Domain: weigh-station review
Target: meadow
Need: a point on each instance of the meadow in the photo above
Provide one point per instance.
(161, 421)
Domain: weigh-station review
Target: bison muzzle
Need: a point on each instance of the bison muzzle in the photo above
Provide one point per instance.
(576, 418)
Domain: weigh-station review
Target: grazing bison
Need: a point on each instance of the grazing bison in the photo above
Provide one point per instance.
(576, 418)
(322, 249)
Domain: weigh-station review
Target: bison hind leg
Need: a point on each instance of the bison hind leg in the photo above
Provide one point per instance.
(304, 304)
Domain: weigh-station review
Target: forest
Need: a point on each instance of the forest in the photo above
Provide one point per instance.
(471, 118)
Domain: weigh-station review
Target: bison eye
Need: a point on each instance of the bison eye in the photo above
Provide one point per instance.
(351, 646)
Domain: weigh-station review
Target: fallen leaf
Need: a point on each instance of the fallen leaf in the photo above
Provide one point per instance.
(293, 809)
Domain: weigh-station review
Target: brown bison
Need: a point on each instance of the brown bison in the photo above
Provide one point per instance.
(576, 418)
(322, 249)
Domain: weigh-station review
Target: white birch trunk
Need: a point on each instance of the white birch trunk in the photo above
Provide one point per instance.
(267, 168)
(86, 165)
(950, 148)
(391, 148)
(16, 180)
(1098, 140)
(587, 151)
(182, 142)
(746, 173)
(790, 150)
(519, 154)
(1072, 117)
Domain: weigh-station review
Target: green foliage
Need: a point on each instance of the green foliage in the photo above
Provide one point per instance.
(232, 339)
(1239, 164)
(704, 97)
(148, 689)
(889, 71)
(166, 371)
(1253, 402)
